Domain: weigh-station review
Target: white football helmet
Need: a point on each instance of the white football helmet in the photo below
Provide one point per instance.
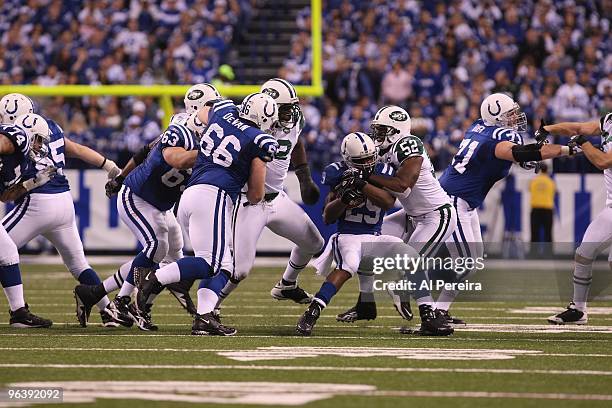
(359, 151)
(283, 93)
(38, 132)
(179, 118)
(14, 105)
(389, 124)
(194, 124)
(501, 110)
(198, 95)
(260, 109)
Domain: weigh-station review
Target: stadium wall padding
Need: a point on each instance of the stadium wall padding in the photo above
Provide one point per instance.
(579, 198)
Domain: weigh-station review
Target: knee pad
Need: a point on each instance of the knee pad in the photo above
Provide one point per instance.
(9, 256)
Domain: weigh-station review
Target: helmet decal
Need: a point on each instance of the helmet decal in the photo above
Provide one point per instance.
(272, 92)
(398, 115)
(195, 94)
(7, 108)
(498, 108)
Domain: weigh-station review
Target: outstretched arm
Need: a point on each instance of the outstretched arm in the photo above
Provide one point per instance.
(92, 157)
(532, 152)
(574, 128)
(601, 160)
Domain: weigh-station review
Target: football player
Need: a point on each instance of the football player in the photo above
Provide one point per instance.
(425, 205)
(49, 210)
(145, 205)
(233, 151)
(195, 98)
(277, 211)
(358, 208)
(14, 160)
(598, 235)
(489, 147)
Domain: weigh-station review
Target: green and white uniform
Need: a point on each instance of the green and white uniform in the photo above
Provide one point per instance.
(427, 217)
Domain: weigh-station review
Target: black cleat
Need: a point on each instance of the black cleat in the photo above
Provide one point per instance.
(571, 315)
(142, 318)
(118, 311)
(206, 325)
(433, 324)
(148, 285)
(293, 292)
(24, 319)
(361, 311)
(85, 298)
(107, 319)
(180, 290)
(309, 319)
(216, 314)
(451, 320)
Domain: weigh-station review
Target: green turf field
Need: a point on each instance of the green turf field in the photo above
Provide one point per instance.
(507, 356)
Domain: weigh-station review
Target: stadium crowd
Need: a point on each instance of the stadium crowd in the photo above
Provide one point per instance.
(438, 59)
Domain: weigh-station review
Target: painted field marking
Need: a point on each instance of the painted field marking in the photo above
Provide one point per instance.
(259, 393)
(307, 368)
(547, 310)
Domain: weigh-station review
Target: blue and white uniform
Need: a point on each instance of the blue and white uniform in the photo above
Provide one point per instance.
(49, 210)
(12, 167)
(222, 168)
(359, 229)
(150, 191)
(472, 173)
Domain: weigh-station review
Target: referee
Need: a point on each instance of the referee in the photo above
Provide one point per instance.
(542, 189)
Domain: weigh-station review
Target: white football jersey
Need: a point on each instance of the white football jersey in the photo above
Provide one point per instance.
(427, 194)
(276, 170)
(605, 123)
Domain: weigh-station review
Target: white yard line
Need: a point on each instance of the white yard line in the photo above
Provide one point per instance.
(308, 368)
(487, 394)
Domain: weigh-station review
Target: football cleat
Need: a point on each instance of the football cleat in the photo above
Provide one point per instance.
(433, 324)
(207, 325)
(571, 315)
(309, 319)
(107, 319)
(85, 298)
(361, 311)
(293, 292)
(180, 290)
(147, 285)
(216, 314)
(401, 304)
(451, 320)
(142, 318)
(118, 311)
(24, 319)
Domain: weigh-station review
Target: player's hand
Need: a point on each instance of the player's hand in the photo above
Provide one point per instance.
(531, 165)
(578, 140)
(542, 134)
(269, 148)
(41, 178)
(308, 188)
(353, 179)
(111, 168)
(113, 186)
(352, 198)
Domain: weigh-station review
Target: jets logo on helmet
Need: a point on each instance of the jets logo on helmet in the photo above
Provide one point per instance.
(389, 124)
(198, 96)
(260, 109)
(501, 110)
(38, 133)
(283, 93)
(14, 105)
(359, 151)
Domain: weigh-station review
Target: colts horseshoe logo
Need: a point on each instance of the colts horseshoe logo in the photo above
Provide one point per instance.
(498, 109)
(6, 107)
(25, 125)
(265, 110)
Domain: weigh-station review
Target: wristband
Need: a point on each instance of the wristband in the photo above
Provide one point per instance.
(103, 163)
(565, 150)
(29, 185)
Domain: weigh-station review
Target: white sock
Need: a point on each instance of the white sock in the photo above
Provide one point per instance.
(225, 292)
(114, 282)
(297, 262)
(103, 303)
(168, 274)
(207, 299)
(583, 275)
(446, 299)
(126, 289)
(366, 283)
(14, 294)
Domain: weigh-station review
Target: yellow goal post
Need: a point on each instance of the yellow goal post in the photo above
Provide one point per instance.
(166, 92)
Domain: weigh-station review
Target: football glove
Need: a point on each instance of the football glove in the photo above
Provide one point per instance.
(41, 178)
(542, 134)
(352, 198)
(578, 140)
(531, 165)
(308, 189)
(113, 186)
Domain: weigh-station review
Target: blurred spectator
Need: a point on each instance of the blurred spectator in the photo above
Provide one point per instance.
(396, 86)
(571, 102)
